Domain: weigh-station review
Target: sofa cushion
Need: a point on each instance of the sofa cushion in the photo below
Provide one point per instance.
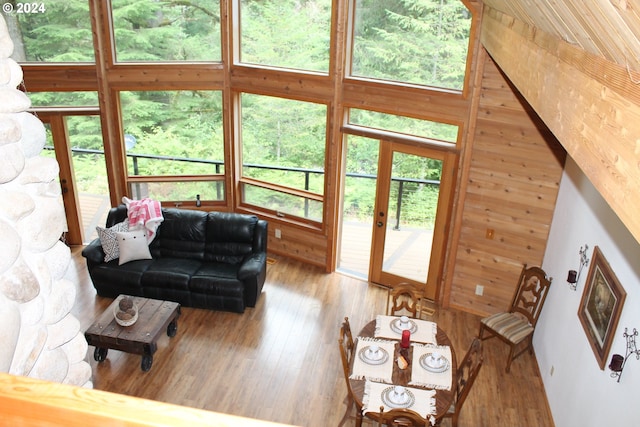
(170, 273)
(182, 234)
(111, 280)
(216, 284)
(230, 236)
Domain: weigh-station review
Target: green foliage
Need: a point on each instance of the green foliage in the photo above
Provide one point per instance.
(286, 33)
(284, 133)
(413, 41)
(61, 34)
(150, 30)
(181, 125)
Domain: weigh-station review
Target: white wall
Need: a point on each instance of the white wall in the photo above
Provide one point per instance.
(579, 393)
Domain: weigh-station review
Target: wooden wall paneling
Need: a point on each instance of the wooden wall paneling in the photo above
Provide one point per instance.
(314, 88)
(166, 77)
(71, 77)
(300, 244)
(444, 106)
(591, 105)
(511, 189)
(465, 151)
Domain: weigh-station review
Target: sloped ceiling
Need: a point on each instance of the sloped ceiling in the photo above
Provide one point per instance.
(605, 28)
(577, 63)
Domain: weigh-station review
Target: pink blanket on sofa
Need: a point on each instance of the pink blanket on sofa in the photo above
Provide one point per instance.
(145, 213)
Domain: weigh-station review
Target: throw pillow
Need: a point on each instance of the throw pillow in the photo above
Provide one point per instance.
(108, 239)
(133, 246)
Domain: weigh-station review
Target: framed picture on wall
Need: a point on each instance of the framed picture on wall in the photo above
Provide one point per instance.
(601, 305)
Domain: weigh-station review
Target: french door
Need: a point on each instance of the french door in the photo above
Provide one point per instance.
(413, 187)
(74, 135)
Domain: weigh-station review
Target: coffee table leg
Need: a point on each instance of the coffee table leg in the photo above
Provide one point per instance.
(147, 361)
(172, 329)
(100, 354)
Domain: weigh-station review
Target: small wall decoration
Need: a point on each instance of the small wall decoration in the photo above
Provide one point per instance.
(601, 305)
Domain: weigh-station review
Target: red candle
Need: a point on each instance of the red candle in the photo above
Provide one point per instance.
(406, 339)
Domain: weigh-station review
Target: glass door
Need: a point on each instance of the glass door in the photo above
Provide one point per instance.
(76, 143)
(410, 216)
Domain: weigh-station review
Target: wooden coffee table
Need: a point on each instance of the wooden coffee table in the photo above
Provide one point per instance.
(154, 317)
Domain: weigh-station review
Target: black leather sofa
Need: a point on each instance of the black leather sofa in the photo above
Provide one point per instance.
(212, 260)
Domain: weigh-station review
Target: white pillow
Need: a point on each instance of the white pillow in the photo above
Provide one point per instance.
(133, 246)
(108, 239)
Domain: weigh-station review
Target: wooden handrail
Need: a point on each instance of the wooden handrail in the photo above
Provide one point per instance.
(32, 402)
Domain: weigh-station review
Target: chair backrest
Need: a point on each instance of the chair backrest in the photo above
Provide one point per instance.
(468, 372)
(533, 288)
(400, 418)
(347, 349)
(403, 297)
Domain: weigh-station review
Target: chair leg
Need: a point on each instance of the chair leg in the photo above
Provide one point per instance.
(454, 419)
(358, 418)
(347, 411)
(510, 359)
(481, 333)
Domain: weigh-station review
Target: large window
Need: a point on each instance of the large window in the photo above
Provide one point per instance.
(406, 125)
(50, 31)
(283, 155)
(174, 134)
(412, 41)
(286, 33)
(151, 30)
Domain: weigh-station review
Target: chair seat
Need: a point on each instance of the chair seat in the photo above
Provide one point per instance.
(510, 326)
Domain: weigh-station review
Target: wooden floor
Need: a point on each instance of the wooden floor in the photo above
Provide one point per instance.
(280, 362)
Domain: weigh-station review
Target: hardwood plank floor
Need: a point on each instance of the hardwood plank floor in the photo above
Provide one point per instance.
(280, 362)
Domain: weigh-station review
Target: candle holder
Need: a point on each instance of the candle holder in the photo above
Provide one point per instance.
(618, 361)
(574, 276)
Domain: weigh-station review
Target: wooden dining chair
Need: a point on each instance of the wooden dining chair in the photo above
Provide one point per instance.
(347, 352)
(403, 299)
(515, 327)
(399, 418)
(465, 377)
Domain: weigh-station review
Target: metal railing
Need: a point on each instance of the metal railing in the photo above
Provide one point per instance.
(307, 174)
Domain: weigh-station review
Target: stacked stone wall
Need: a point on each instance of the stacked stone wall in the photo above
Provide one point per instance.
(39, 337)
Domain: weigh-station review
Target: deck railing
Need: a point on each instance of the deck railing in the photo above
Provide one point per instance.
(305, 171)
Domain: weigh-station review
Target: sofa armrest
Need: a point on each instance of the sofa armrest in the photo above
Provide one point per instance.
(253, 272)
(93, 252)
(252, 265)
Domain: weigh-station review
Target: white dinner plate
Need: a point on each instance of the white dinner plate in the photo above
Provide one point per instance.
(398, 327)
(389, 400)
(428, 362)
(369, 358)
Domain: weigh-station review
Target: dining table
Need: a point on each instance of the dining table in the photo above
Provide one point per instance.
(438, 390)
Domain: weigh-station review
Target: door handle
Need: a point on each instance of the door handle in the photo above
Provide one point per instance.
(380, 223)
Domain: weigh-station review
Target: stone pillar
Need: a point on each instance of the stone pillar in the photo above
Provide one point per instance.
(39, 337)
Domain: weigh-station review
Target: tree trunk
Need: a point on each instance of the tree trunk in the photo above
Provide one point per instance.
(19, 54)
